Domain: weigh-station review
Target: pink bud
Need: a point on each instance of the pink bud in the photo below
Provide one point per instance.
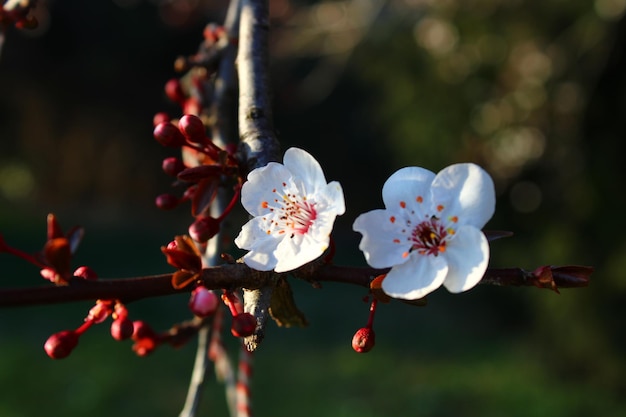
(172, 166)
(204, 229)
(168, 135)
(203, 302)
(159, 118)
(174, 91)
(85, 272)
(60, 345)
(243, 325)
(192, 128)
(166, 201)
(363, 340)
(122, 328)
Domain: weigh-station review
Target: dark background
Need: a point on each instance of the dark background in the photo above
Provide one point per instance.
(533, 92)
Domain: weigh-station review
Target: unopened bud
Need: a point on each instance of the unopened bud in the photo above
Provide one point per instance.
(85, 272)
(172, 166)
(122, 328)
(243, 325)
(159, 118)
(174, 91)
(204, 229)
(192, 127)
(363, 340)
(60, 345)
(168, 135)
(203, 302)
(166, 201)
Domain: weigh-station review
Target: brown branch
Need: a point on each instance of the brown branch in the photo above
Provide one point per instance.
(231, 276)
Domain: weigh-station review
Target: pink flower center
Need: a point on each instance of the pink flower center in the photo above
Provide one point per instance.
(293, 215)
(429, 237)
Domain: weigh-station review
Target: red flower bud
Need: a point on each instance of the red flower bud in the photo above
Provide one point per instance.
(60, 345)
(363, 340)
(86, 273)
(168, 135)
(166, 201)
(172, 166)
(193, 128)
(203, 302)
(159, 118)
(122, 328)
(204, 229)
(174, 91)
(142, 330)
(243, 325)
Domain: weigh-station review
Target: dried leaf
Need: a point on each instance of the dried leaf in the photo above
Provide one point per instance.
(283, 307)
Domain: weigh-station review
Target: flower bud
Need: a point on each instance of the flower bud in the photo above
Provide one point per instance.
(122, 328)
(204, 229)
(159, 118)
(166, 201)
(174, 91)
(168, 135)
(85, 272)
(363, 340)
(142, 330)
(172, 166)
(192, 128)
(243, 325)
(60, 345)
(203, 302)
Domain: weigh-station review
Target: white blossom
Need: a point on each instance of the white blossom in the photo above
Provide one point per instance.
(429, 232)
(294, 209)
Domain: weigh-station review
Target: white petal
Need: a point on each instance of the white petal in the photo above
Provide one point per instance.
(261, 261)
(466, 191)
(262, 185)
(331, 195)
(414, 279)
(383, 242)
(405, 187)
(306, 171)
(294, 252)
(261, 246)
(468, 256)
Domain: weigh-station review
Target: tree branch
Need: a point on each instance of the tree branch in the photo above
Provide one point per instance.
(232, 276)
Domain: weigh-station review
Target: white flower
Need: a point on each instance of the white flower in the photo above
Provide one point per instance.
(294, 210)
(429, 232)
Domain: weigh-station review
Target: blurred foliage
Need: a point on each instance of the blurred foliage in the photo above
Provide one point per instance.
(533, 91)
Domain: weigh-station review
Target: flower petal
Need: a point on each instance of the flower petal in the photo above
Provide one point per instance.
(298, 250)
(466, 191)
(331, 195)
(468, 257)
(253, 237)
(417, 277)
(306, 171)
(383, 242)
(262, 187)
(408, 188)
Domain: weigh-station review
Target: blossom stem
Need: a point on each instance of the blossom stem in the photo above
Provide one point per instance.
(370, 320)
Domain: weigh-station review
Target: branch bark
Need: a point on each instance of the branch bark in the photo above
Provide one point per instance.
(232, 276)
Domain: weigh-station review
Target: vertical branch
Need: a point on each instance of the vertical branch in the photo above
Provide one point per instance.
(224, 113)
(223, 367)
(256, 128)
(244, 375)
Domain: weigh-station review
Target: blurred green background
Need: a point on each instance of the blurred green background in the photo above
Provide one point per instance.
(533, 91)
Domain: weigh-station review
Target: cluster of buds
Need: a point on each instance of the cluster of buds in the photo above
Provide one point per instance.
(18, 13)
(203, 168)
(61, 344)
